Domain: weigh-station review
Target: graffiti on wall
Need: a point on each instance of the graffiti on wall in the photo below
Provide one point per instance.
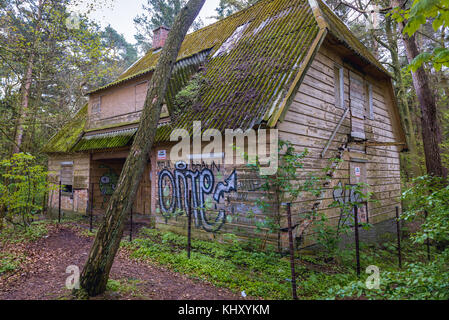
(108, 183)
(346, 195)
(174, 189)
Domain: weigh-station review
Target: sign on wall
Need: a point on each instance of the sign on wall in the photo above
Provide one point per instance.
(162, 155)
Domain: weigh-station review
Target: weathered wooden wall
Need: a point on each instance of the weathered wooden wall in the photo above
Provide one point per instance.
(242, 215)
(312, 118)
(118, 105)
(81, 167)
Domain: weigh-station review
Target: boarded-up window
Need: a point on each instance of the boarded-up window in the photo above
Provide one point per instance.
(357, 105)
(96, 105)
(339, 86)
(141, 94)
(67, 176)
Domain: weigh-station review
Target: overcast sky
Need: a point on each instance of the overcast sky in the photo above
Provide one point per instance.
(120, 15)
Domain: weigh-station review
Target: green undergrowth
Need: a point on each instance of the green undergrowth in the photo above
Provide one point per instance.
(416, 281)
(9, 262)
(16, 234)
(239, 267)
(232, 265)
(124, 287)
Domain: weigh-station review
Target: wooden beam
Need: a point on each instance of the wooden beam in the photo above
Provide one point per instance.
(379, 143)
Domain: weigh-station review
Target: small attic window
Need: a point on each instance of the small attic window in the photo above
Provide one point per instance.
(232, 41)
(339, 86)
(164, 111)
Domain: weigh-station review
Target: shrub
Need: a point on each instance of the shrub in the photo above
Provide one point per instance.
(23, 185)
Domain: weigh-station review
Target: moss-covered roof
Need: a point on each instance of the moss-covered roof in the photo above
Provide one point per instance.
(64, 140)
(252, 61)
(113, 139)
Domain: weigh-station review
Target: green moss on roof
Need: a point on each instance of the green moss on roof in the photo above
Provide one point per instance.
(112, 126)
(114, 139)
(64, 140)
(247, 79)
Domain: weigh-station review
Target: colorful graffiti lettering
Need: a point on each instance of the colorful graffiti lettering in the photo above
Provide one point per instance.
(344, 195)
(173, 193)
(108, 183)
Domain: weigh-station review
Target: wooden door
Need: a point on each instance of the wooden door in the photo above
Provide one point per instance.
(358, 175)
(142, 204)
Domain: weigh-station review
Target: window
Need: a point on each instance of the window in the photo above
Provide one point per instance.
(164, 111)
(339, 86)
(369, 103)
(96, 105)
(66, 177)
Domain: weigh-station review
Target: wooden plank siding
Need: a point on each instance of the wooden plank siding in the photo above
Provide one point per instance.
(310, 121)
(77, 202)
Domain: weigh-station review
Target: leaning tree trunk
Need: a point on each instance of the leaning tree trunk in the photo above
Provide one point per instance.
(96, 271)
(431, 133)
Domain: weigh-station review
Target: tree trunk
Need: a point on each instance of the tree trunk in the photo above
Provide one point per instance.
(26, 86)
(404, 108)
(431, 133)
(96, 271)
(22, 114)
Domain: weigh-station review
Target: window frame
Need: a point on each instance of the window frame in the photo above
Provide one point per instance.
(67, 189)
(339, 86)
(369, 102)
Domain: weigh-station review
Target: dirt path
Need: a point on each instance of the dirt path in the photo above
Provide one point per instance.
(43, 276)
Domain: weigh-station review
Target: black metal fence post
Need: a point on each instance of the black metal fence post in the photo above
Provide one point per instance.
(292, 251)
(59, 202)
(189, 224)
(356, 236)
(91, 206)
(398, 229)
(131, 226)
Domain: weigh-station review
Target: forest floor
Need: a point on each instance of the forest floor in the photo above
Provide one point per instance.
(40, 271)
(155, 266)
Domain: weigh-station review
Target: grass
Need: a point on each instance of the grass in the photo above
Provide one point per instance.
(34, 232)
(267, 274)
(9, 262)
(126, 287)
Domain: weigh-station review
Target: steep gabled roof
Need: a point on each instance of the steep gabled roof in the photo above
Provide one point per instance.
(252, 62)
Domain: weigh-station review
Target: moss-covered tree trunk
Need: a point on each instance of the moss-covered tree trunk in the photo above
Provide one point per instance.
(96, 271)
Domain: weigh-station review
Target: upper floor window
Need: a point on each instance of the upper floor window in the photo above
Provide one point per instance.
(339, 85)
(96, 105)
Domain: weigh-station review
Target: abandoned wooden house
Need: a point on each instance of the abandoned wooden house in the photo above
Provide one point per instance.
(289, 65)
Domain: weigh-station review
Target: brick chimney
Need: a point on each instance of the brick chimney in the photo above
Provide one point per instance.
(159, 36)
